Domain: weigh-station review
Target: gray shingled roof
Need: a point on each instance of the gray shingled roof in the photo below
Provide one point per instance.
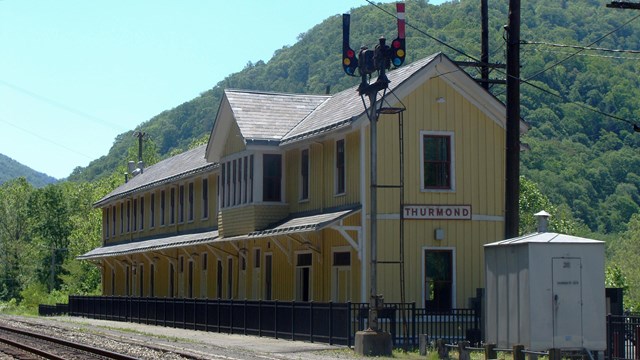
(148, 245)
(174, 168)
(269, 116)
(346, 106)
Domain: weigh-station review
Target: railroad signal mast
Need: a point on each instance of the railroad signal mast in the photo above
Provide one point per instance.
(372, 341)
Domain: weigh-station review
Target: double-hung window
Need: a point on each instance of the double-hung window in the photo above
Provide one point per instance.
(437, 161)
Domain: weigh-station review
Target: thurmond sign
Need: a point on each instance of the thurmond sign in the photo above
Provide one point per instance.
(437, 212)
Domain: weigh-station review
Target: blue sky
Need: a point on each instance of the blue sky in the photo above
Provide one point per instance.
(74, 74)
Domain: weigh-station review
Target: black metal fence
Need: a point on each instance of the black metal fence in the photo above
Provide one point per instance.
(333, 323)
(623, 336)
(309, 321)
(406, 322)
(53, 310)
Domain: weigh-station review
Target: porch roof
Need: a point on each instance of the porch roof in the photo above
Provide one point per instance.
(298, 224)
(149, 245)
(302, 224)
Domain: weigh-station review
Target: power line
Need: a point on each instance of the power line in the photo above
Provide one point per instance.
(45, 139)
(583, 105)
(579, 47)
(526, 81)
(593, 55)
(62, 106)
(581, 50)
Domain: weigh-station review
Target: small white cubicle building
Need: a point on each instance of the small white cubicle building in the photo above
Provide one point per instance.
(546, 291)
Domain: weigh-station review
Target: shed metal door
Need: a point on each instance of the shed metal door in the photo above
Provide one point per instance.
(567, 303)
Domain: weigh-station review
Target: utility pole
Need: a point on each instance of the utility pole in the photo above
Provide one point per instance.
(484, 64)
(484, 54)
(512, 190)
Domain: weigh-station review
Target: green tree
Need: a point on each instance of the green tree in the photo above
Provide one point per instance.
(50, 216)
(532, 201)
(15, 237)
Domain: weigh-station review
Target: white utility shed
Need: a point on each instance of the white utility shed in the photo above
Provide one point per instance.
(546, 291)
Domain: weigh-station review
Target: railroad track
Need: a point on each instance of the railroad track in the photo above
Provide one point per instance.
(25, 345)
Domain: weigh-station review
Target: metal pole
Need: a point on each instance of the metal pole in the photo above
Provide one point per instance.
(484, 56)
(512, 192)
(373, 206)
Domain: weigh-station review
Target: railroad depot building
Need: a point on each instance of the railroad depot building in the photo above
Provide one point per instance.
(276, 205)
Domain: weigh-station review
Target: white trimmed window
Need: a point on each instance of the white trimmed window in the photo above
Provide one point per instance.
(437, 161)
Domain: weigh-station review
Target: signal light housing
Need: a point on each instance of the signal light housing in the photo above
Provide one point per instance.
(349, 59)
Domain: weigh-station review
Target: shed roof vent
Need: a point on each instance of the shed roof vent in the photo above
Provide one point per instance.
(543, 221)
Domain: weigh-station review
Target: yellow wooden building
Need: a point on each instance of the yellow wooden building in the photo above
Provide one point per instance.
(275, 206)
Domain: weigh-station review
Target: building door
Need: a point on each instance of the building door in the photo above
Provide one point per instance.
(141, 290)
(190, 280)
(127, 288)
(303, 276)
(152, 280)
(341, 276)
(256, 280)
(219, 280)
(567, 302)
(230, 278)
(204, 278)
(268, 270)
(172, 280)
(242, 278)
(438, 279)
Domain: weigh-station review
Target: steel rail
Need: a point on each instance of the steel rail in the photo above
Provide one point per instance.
(63, 343)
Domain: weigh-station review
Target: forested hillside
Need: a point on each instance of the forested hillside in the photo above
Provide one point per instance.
(580, 158)
(11, 169)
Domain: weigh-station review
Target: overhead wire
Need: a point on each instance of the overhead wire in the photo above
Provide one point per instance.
(523, 80)
(526, 42)
(581, 50)
(61, 105)
(45, 139)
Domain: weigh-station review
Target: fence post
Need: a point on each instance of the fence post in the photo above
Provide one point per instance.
(311, 323)
(490, 352)
(555, 354)
(443, 350)
(231, 316)
(293, 316)
(463, 350)
(423, 344)
(275, 320)
(518, 353)
(414, 331)
(350, 319)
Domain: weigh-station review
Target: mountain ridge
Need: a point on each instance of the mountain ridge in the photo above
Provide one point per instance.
(11, 169)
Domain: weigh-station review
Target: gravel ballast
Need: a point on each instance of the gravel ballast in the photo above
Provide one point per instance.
(156, 342)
